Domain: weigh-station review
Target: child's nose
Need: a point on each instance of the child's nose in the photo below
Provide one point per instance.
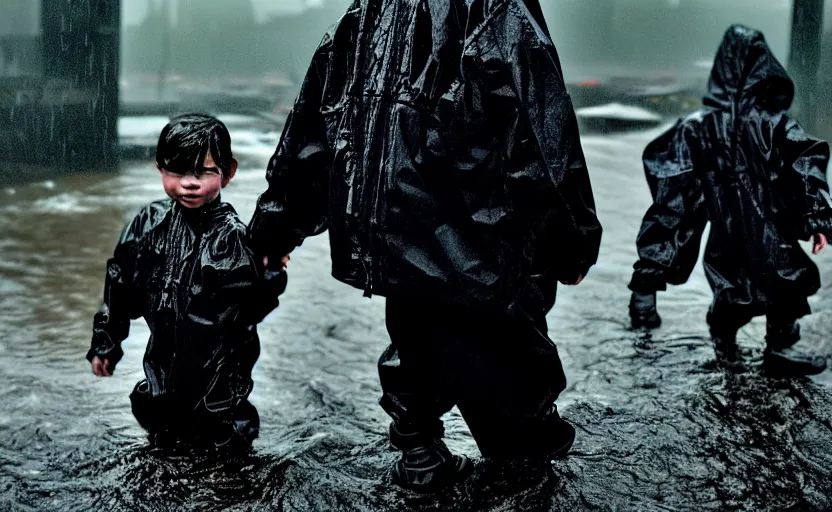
(189, 181)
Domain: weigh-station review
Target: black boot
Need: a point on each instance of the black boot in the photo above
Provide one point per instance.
(725, 345)
(565, 433)
(782, 359)
(535, 438)
(643, 313)
(426, 465)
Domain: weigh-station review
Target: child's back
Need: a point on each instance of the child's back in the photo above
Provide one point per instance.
(184, 266)
(744, 165)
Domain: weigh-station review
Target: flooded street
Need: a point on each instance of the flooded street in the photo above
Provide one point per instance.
(660, 425)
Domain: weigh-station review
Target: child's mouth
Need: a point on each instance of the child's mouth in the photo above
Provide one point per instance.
(189, 198)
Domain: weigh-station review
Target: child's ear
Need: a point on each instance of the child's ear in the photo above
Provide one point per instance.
(231, 173)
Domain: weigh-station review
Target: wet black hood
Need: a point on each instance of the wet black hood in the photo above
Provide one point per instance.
(746, 73)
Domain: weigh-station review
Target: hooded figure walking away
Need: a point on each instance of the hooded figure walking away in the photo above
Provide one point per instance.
(744, 165)
(436, 142)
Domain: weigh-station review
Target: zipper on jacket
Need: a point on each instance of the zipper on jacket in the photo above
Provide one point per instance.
(356, 92)
(193, 260)
(373, 185)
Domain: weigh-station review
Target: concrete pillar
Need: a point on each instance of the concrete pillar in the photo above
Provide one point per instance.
(804, 58)
(80, 42)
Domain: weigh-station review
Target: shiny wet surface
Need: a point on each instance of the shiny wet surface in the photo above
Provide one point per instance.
(660, 425)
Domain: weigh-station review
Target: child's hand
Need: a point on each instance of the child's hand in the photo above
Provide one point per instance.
(576, 281)
(818, 243)
(284, 262)
(102, 367)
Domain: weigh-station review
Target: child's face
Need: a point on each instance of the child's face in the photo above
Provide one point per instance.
(199, 187)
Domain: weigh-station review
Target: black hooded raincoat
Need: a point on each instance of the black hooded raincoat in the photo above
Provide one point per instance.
(437, 143)
(744, 165)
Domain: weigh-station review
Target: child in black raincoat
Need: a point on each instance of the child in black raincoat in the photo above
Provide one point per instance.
(437, 144)
(184, 265)
(744, 165)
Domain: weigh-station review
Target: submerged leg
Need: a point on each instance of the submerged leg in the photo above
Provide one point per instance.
(782, 358)
(643, 312)
(509, 376)
(724, 324)
(415, 395)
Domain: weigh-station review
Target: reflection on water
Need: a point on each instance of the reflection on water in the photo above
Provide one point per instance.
(660, 426)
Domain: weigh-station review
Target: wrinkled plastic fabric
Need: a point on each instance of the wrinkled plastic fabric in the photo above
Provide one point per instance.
(192, 277)
(437, 143)
(744, 165)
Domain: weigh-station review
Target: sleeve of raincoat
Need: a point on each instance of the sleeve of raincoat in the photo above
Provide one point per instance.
(670, 234)
(805, 159)
(111, 323)
(295, 205)
(243, 294)
(523, 92)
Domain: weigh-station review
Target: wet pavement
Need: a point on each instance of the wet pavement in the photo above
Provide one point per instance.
(660, 425)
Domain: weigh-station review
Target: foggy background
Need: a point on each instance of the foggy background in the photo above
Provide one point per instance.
(120, 67)
(250, 37)
(250, 55)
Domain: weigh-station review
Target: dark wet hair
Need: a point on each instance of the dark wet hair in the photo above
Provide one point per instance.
(186, 139)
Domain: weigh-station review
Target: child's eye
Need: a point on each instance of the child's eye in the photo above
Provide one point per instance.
(205, 172)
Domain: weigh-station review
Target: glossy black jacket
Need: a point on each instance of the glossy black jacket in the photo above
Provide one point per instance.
(744, 165)
(437, 143)
(192, 277)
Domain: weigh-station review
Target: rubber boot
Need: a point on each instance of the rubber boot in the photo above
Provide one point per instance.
(565, 433)
(643, 313)
(782, 359)
(534, 437)
(725, 345)
(426, 465)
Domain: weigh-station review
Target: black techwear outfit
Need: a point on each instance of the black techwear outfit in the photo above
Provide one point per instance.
(436, 142)
(744, 165)
(190, 274)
